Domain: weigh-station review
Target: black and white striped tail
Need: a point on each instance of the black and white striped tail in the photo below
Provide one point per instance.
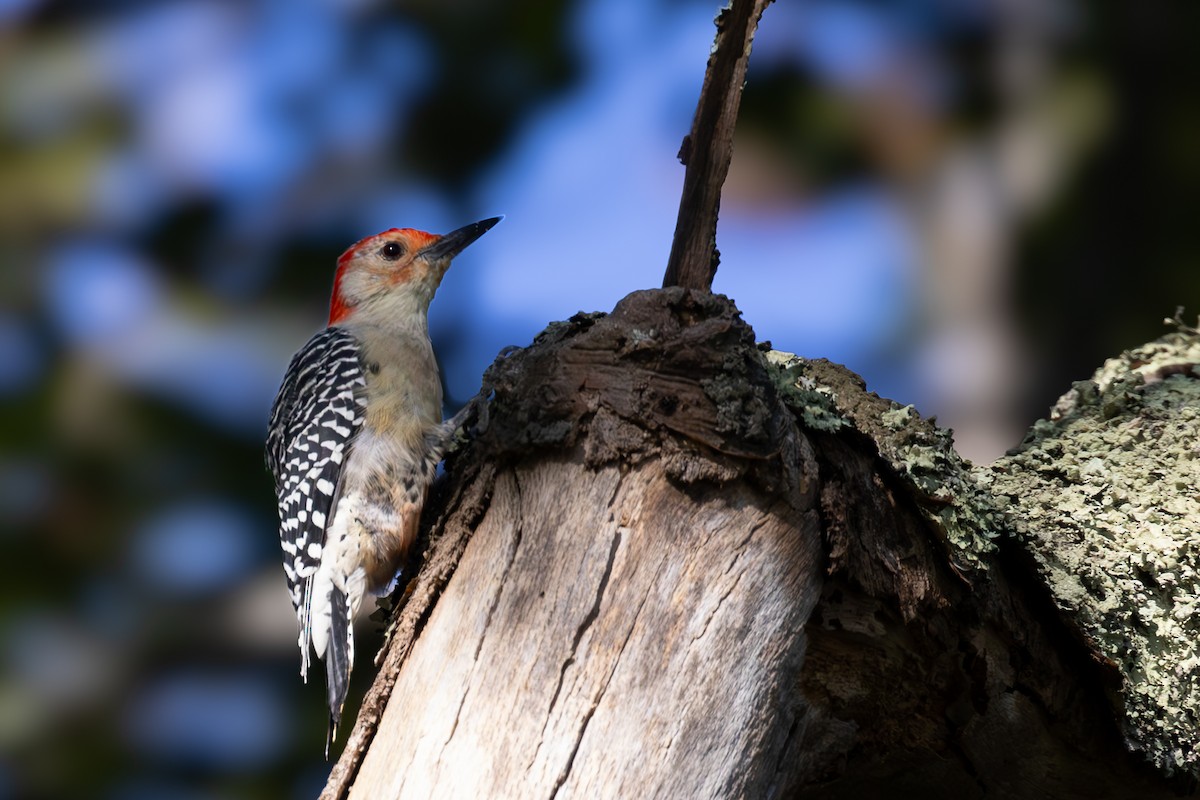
(339, 658)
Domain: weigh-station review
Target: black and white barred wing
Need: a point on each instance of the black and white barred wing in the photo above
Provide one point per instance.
(317, 413)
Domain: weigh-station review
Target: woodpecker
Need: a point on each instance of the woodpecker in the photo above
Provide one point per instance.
(355, 436)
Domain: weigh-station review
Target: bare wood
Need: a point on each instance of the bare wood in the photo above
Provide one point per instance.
(707, 150)
(559, 617)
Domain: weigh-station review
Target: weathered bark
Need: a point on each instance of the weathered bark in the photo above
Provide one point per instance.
(676, 566)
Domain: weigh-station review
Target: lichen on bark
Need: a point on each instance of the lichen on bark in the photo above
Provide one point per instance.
(827, 397)
(1106, 493)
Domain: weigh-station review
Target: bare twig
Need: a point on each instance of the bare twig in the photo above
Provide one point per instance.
(706, 151)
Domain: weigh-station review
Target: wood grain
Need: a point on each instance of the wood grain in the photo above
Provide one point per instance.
(581, 638)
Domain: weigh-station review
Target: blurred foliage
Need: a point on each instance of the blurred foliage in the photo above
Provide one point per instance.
(1121, 245)
(524, 48)
(102, 469)
(176, 178)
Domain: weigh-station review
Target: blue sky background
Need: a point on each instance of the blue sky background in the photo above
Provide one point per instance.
(178, 178)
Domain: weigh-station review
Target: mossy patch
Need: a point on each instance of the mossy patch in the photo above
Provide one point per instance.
(828, 397)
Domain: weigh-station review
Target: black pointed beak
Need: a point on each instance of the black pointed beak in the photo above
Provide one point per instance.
(455, 242)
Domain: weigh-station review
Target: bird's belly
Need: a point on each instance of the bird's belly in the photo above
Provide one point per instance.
(379, 517)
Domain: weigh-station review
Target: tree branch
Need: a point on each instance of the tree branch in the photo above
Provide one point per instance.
(707, 150)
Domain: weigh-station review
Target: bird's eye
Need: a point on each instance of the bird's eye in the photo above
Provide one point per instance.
(392, 250)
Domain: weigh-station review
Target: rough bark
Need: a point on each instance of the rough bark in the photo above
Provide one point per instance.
(674, 565)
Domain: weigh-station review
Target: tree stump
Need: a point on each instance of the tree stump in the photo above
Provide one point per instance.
(676, 565)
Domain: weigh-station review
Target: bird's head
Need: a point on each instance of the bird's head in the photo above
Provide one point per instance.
(399, 264)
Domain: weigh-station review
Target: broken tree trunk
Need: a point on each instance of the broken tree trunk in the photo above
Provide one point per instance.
(676, 565)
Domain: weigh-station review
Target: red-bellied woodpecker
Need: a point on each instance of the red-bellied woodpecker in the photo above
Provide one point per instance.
(355, 436)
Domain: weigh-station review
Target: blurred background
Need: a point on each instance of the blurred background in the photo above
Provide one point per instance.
(970, 202)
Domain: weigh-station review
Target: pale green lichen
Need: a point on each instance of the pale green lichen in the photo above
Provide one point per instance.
(897, 418)
(1108, 491)
(1105, 495)
(815, 404)
(948, 493)
(920, 453)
